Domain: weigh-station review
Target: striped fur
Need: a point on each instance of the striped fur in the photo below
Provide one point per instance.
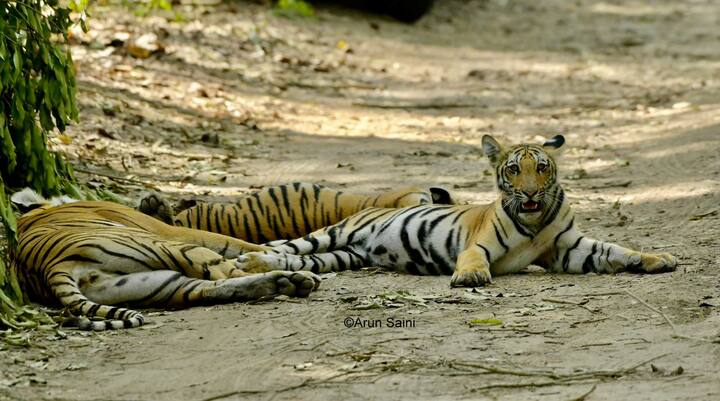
(286, 211)
(90, 257)
(530, 222)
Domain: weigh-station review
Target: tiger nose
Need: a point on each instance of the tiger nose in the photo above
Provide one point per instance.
(530, 194)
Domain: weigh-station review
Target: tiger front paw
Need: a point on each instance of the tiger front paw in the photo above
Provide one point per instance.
(657, 262)
(475, 276)
(257, 262)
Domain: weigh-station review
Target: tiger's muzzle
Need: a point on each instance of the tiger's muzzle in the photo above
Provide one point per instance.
(531, 202)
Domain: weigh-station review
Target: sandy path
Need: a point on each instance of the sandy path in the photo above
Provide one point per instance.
(633, 86)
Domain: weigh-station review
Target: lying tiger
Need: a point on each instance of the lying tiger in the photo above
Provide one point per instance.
(286, 211)
(91, 256)
(530, 222)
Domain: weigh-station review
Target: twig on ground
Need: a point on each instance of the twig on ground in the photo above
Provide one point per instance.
(575, 324)
(305, 383)
(676, 333)
(529, 384)
(503, 371)
(580, 304)
(313, 348)
(591, 294)
(223, 395)
(562, 301)
(113, 177)
(518, 330)
(595, 345)
(403, 365)
(262, 299)
(708, 213)
(559, 379)
(665, 246)
(654, 309)
(319, 85)
(430, 104)
(584, 395)
(387, 340)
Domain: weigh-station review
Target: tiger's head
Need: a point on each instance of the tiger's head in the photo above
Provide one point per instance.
(527, 178)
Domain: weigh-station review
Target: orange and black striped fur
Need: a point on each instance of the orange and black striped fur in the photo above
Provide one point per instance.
(94, 258)
(530, 222)
(286, 211)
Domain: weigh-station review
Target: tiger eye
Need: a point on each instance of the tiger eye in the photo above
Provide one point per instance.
(513, 169)
(541, 167)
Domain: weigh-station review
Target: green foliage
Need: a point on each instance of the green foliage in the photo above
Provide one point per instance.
(294, 8)
(142, 8)
(37, 93)
(37, 96)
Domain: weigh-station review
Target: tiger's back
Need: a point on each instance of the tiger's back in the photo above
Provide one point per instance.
(294, 210)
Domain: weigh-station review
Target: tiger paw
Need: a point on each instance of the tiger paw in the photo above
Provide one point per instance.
(658, 262)
(471, 277)
(259, 286)
(158, 207)
(258, 262)
(296, 284)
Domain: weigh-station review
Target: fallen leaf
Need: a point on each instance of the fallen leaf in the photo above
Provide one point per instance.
(491, 321)
(65, 139)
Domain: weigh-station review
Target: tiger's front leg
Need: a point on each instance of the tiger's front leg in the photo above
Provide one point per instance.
(472, 269)
(577, 254)
(350, 258)
(333, 248)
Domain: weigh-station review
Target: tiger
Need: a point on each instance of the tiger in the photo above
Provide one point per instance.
(95, 257)
(531, 222)
(286, 211)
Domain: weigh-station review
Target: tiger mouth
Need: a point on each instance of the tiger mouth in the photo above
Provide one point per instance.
(529, 207)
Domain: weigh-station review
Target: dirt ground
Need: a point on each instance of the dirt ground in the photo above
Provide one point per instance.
(240, 99)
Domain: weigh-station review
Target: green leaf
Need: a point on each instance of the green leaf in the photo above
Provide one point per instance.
(46, 118)
(164, 4)
(292, 8)
(8, 149)
(490, 321)
(17, 60)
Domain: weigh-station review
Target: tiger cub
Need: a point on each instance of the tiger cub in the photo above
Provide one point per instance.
(91, 256)
(530, 222)
(286, 211)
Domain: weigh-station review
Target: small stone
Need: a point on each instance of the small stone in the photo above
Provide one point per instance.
(145, 46)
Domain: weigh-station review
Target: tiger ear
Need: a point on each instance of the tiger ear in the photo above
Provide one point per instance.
(554, 143)
(441, 196)
(492, 148)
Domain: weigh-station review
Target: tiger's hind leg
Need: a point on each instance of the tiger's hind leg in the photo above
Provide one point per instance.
(350, 258)
(168, 289)
(228, 247)
(200, 262)
(155, 205)
(95, 293)
(145, 252)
